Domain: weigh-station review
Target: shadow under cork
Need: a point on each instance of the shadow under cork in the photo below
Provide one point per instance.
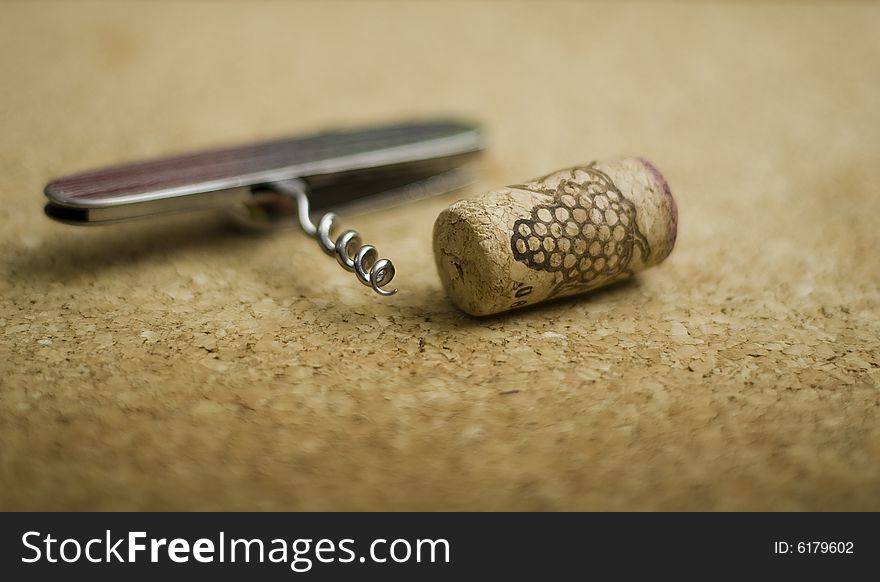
(604, 294)
(434, 306)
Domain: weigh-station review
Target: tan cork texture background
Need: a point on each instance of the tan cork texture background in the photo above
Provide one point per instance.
(178, 365)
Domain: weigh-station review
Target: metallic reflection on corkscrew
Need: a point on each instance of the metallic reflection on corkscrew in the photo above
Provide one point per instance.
(363, 260)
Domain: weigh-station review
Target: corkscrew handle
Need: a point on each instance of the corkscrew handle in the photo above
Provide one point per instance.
(340, 167)
(363, 260)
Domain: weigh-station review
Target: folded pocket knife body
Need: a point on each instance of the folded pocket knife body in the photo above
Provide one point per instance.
(276, 181)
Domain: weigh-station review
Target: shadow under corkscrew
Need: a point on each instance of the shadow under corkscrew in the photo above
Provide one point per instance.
(364, 262)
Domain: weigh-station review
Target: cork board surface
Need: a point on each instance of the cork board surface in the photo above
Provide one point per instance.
(181, 365)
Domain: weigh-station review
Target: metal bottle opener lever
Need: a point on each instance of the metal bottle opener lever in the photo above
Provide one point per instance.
(276, 181)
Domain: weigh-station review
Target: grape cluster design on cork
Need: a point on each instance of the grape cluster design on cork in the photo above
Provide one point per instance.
(586, 234)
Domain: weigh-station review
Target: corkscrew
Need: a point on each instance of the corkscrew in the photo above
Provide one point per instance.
(360, 259)
(279, 183)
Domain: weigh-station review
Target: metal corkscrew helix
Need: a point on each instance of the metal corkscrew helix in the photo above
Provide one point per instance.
(364, 261)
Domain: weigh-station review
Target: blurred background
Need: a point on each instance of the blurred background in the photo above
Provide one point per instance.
(178, 365)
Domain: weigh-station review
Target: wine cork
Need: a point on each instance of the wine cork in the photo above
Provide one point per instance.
(567, 233)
